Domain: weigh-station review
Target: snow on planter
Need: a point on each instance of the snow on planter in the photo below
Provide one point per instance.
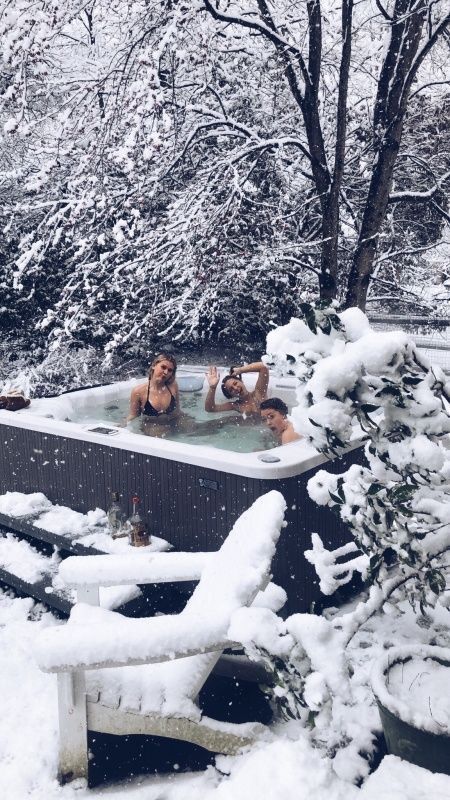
(412, 685)
(413, 682)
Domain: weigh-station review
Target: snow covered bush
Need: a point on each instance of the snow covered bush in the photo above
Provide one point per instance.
(358, 383)
(353, 380)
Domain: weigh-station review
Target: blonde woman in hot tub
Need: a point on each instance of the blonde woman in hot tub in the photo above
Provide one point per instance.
(157, 400)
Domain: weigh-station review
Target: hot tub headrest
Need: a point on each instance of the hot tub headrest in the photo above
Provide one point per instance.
(190, 383)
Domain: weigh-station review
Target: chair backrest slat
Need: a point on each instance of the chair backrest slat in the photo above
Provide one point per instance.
(235, 574)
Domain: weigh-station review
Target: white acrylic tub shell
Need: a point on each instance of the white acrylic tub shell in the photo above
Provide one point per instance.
(293, 459)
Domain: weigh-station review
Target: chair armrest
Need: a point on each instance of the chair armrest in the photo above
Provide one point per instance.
(131, 568)
(115, 641)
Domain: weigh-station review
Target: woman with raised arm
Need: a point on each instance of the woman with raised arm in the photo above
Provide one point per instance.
(157, 400)
(239, 397)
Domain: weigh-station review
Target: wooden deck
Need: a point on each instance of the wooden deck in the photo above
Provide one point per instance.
(152, 600)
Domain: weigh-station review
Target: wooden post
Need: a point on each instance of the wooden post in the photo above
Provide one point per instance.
(73, 751)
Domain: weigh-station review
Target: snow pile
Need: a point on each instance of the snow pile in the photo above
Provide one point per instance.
(18, 504)
(397, 780)
(282, 770)
(291, 767)
(66, 522)
(23, 560)
(29, 718)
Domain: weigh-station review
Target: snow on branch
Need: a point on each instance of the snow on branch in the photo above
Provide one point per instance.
(419, 197)
(334, 573)
(246, 22)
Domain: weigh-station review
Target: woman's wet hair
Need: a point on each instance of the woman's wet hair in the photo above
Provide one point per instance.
(275, 404)
(226, 391)
(163, 357)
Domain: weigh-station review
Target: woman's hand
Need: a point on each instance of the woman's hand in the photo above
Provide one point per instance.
(213, 377)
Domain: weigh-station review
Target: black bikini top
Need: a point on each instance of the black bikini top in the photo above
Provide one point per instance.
(150, 411)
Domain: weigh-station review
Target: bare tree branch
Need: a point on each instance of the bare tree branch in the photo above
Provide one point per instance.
(418, 197)
(383, 11)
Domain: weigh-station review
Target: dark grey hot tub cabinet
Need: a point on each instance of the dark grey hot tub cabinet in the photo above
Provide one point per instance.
(192, 506)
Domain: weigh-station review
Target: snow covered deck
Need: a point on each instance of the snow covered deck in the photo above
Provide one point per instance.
(35, 535)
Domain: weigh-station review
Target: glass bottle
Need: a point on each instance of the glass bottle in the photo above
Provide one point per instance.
(139, 536)
(116, 516)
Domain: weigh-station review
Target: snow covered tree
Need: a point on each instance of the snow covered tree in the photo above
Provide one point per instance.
(300, 38)
(177, 152)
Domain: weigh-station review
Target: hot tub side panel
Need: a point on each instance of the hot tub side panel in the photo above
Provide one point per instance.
(194, 508)
(304, 517)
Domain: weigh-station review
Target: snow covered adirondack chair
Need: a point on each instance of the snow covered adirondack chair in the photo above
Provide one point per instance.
(142, 676)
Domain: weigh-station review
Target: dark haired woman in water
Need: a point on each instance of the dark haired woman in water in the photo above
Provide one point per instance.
(239, 397)
(157, 400)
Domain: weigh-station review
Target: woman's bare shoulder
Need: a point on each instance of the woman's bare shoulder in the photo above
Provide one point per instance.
(138, 390)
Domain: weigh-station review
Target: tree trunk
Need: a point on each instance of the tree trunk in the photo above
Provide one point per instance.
(374, 215)
(390, 107)
(330, 206)
(329, 255)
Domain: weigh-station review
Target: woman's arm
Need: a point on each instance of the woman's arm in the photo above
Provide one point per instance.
(176, 393)
(262, 381)
(135, 404)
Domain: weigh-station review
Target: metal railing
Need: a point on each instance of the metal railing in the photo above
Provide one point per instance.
(431, 334)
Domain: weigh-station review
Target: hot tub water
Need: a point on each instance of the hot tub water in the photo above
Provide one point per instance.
(225, 431)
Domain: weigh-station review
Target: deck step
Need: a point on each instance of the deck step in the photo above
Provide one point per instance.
(25, 526)
(28, 570)
(30, 573)
(28, 566)
(40, 591)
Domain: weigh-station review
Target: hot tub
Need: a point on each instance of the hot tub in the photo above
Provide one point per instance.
(191, 494)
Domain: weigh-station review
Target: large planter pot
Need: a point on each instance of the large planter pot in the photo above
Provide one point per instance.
(412, 688)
